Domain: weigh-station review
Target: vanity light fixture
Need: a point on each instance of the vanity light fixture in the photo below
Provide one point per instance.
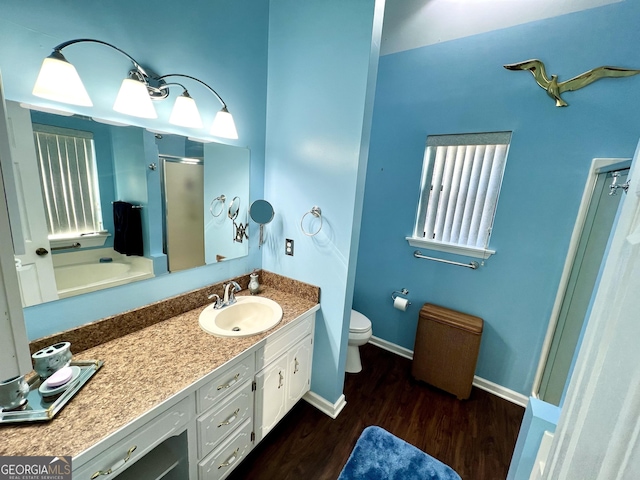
(58, 80)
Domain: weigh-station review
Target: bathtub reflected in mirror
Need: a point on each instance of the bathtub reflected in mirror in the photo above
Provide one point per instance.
(92, 270)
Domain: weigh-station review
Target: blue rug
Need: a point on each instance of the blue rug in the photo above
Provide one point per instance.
(379, 455)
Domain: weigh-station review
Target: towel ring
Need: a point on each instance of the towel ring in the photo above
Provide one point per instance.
(220, 199)
(316, 212)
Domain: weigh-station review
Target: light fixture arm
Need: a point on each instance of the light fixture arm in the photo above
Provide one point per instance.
(58, 80)
(59, 47)
(224, 105)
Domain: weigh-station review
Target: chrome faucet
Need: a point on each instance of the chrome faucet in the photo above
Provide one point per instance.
(218, 303)
(229, 298)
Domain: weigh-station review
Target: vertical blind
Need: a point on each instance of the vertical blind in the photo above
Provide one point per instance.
(67, 166)
(460, 189)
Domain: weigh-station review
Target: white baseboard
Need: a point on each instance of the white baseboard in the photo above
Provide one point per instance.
(493, 388)
(500, 391)
(392, 347)
(326, 407)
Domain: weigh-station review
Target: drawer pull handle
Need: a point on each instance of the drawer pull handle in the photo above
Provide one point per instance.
(118, 465)
(281, 379)
(231, 419)
(230, 382)
(230, 460)
(296, 365)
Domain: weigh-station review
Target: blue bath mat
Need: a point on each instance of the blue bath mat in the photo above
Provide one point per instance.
(379, 455)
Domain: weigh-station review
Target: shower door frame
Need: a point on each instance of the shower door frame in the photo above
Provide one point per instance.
(598, 166)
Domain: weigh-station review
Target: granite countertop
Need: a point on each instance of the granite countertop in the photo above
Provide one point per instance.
(141, 370)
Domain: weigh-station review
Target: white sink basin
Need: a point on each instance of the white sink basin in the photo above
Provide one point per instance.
(248, 316)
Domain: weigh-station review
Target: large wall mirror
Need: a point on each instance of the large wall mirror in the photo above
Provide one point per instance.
(100, 205)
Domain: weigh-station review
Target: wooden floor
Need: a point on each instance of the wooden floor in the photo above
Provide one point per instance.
(475, 437)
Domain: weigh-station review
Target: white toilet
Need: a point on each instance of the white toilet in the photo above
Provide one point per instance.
(359, 334)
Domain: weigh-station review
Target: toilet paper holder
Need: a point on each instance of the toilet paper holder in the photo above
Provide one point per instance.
(397, 293)
(399, 301)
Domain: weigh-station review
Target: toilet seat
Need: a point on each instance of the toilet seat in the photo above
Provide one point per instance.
(359, 323)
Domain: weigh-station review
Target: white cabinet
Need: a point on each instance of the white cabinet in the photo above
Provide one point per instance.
(124, 453)
(219, 421)
(214, 426)
(221, 462)
(299, 380)
(230, 377)
(283, 380)
(225, 423)
(271, 396)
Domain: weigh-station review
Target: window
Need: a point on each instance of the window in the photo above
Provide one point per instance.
(68, 172)
(461, 178)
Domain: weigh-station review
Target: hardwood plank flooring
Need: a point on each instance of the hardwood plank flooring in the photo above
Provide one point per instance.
(475, 437)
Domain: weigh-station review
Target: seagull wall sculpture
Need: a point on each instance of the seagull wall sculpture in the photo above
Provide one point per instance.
(555, 88)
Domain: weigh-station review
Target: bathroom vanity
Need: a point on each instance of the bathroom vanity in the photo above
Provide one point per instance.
(174, 402)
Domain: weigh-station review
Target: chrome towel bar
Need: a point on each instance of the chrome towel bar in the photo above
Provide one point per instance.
(472, 265)
(65, 247)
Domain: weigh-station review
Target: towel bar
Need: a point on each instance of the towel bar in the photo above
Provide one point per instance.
(471, 265)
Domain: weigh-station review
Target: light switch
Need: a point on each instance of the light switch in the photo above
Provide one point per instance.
(288, 247)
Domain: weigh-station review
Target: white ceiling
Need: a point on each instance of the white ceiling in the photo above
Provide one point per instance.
(415, 23)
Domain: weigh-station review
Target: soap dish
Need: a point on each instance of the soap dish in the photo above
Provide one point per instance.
(48, 391)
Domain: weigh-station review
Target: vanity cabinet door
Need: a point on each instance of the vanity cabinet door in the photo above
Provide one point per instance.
(299, 379)
(271, 396)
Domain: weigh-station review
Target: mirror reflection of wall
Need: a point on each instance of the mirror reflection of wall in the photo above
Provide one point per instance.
(226, 172)
(123, 156)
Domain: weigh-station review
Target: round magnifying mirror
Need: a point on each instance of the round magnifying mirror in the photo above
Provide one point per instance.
(261, 212)
(234, 207)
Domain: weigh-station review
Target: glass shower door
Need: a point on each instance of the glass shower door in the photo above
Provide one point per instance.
(184, 212)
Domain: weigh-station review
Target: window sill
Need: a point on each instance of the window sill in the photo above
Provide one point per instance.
(97, 239)
(449, 248)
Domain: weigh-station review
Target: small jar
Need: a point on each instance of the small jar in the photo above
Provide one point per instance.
(254, 285)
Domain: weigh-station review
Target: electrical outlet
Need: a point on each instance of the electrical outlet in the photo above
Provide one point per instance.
(288, 247)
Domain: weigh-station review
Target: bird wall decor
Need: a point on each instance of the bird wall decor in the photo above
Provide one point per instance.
(555, 88)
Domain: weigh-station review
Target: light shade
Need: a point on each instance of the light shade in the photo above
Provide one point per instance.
(185, 112)
(133, 99)
(224, 126)
(58, 80)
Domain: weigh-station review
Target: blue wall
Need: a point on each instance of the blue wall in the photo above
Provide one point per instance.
(222, 42)
(460, 86)
(320, 74)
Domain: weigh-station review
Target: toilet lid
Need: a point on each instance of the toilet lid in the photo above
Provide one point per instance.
(359, 323)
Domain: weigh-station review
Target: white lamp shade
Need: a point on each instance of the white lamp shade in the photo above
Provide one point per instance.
(224, 126)
(185, 113)
(58, 80)
(133, 99)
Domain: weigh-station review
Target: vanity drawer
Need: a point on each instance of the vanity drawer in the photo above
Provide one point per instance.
(228, 380)
(283, 340)
(215, 425)
(130, 449)
(224, 459)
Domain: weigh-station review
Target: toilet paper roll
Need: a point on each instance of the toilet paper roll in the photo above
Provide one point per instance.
(400, 303)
